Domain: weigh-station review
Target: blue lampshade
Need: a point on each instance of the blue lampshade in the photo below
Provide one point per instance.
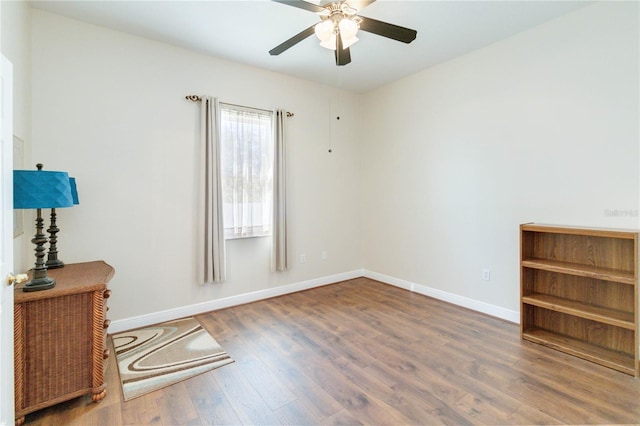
(74, 190)
(37, 189)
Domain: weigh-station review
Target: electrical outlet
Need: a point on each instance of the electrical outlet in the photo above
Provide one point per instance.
(486, 274)
(323, 255)
(303, 258)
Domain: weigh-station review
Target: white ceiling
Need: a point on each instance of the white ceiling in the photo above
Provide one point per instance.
(245, 31)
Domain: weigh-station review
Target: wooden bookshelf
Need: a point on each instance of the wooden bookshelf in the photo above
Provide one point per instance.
(579, 292)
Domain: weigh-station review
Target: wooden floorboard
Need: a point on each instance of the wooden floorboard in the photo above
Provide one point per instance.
(363, 352)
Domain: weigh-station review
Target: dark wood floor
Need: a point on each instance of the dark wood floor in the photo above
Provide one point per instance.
(362, 352)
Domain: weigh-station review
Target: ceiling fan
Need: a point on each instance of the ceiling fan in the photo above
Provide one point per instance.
(339, 25)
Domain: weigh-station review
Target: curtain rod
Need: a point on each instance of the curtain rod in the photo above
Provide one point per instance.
(196, 98)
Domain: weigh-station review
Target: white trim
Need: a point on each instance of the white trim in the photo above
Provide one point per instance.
(227, 302)
(476, 305)
(241, 299)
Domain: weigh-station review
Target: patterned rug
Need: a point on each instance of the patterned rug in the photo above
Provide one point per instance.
(154, 357)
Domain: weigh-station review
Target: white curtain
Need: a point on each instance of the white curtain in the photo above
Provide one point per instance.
(214, 245)
(279, 240)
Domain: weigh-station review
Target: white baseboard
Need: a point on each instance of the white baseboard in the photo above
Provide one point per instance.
(476, 305)
(241, 299)
(199, 308)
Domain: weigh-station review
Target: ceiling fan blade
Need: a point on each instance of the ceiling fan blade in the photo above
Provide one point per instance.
(384, 29)
(343, 56)
(292, 41)
(300, 4)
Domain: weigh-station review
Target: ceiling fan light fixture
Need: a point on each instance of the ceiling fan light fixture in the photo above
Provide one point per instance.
(348, 30)
(324, 30)
(348, 42)
(330, 43)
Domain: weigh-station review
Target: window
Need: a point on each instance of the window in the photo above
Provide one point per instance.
(246, 157)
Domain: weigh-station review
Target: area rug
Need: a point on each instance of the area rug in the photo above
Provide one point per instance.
(154, 357)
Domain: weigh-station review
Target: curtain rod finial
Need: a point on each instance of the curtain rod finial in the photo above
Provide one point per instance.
(194, 98)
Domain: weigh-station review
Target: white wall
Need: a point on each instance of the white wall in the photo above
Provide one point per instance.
(543, 127)
(110, 109)
(16, 46)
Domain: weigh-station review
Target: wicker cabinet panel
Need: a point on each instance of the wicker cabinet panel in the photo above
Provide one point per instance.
(59, 364)
(60, 337)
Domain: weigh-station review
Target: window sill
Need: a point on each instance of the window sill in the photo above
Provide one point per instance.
(245, 237)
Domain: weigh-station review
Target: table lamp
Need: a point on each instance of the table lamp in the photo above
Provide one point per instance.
(38, 189)
(52, 256)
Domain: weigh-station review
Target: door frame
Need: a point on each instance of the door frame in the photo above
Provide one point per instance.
(7, 393)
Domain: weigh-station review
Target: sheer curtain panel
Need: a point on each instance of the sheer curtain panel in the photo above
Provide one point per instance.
(279, 240)
(247, 169)
(214, 267)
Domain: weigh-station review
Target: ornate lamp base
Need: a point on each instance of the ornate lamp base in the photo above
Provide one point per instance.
(52, 259)
(38, 284)
(54, 263)
(40, 280)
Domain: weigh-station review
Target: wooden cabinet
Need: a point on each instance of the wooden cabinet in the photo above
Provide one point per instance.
(579, 292)
(60, 338)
